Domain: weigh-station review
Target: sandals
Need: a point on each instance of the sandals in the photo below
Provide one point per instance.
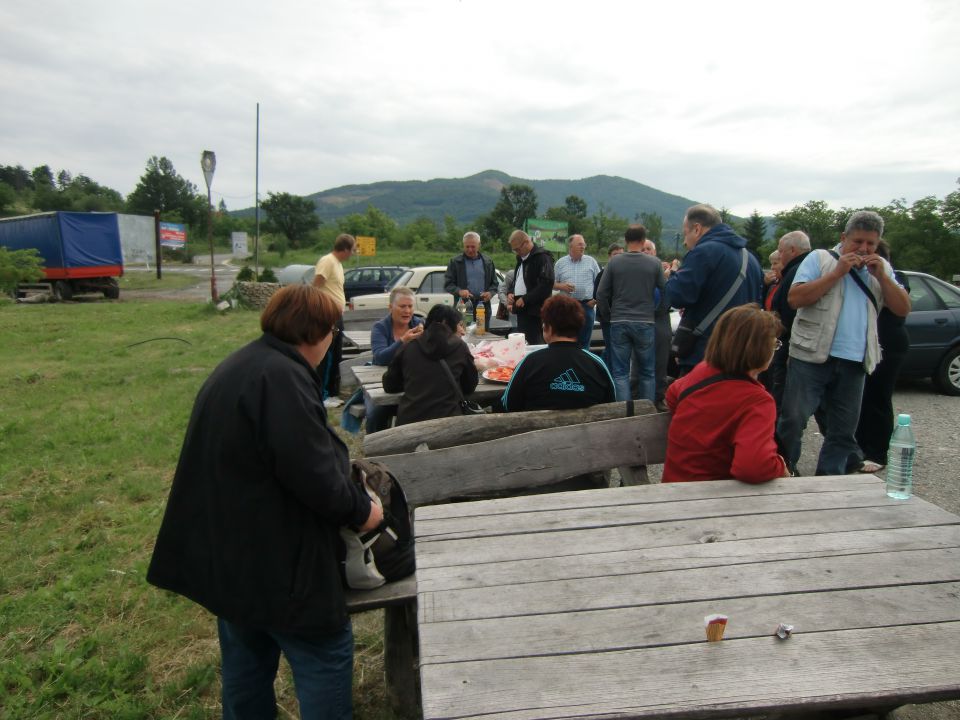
(870, 467)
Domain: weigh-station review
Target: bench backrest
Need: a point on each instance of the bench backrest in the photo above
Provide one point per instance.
(530, 459)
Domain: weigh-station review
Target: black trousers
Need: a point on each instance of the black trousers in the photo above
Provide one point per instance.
(876, 409)
(531, 327)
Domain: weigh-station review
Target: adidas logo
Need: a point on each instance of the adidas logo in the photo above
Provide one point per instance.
(567, 382)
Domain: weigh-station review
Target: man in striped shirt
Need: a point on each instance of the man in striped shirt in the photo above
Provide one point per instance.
(574, 275)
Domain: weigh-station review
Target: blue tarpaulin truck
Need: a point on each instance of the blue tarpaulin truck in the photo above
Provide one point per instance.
(81, 251)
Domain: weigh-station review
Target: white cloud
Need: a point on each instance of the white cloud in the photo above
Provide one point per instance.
(744, 104)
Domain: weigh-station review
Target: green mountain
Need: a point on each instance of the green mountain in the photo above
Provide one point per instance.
(467, 198)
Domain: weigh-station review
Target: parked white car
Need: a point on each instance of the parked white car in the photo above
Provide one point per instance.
(426, 281)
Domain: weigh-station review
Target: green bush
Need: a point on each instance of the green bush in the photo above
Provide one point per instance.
(267, 275)
(246, 274)
(19, 266)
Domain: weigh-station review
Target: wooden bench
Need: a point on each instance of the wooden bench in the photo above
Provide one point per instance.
(491, 456)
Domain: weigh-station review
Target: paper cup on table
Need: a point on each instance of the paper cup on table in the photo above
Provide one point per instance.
(715, 625)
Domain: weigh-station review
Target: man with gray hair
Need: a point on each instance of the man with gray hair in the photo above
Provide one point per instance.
(472, 277)
(793, 248)
(833, 345)
(716, 263)
(575, 274)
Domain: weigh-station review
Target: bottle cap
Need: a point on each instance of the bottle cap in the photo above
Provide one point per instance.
(903, 419)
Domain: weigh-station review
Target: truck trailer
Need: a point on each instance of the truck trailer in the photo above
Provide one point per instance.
(81, 251)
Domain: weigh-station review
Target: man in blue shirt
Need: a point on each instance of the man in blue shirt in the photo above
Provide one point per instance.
(833, 343)
(472, 277)
(574, 274)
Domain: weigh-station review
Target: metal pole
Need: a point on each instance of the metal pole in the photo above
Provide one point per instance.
(256, 193)
(213, 274)
(156, 238)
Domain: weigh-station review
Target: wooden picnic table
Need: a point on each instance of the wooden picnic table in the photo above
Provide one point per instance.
(370, 378)
(591, 604)
(359, 339)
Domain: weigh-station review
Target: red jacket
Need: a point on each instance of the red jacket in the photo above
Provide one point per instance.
(721, 431)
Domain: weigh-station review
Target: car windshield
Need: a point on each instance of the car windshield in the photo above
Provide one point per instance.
(402, 279)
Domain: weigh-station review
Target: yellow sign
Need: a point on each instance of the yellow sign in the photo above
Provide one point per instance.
(367, 245)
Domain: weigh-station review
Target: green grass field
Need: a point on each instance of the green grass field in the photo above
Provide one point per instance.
(94, 399)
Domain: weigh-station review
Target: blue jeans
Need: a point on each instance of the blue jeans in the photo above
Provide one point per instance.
(589, 315)
(838, 384)
(633, 341)
(607, 355)
(322, 672)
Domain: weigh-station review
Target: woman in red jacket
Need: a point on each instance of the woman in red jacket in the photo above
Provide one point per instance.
(723, 418)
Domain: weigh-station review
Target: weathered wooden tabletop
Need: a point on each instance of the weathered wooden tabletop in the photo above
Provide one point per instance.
(359, 339)
(370, 378)
(591, 604)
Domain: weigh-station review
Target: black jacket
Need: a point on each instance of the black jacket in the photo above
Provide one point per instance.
(251, 526)
(538, 277)
(779, 302)
(416, 372)
(561, 376)
(455, 278)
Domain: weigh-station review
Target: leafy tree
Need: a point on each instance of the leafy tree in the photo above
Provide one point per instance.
(816, 219)
(8, 199)
(919, 238)
(421, 234)
(950, 210)
(161, 188)
(290, 215)
(374, 222)
(44, 189)
(517, 204)
(573, 212)
(83, 194)
(16, 177)
(755, 232)
(576, 206)
(605, 228)
(653, 222)
(17, 266)
(453, 234)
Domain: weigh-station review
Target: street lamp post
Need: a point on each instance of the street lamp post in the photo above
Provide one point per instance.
(208, 161)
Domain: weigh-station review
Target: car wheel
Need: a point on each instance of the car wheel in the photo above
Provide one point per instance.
(947, 378)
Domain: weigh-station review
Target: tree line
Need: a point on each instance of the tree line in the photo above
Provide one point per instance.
(924, 236)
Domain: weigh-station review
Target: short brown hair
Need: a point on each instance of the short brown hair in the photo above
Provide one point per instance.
(300, 314)
(344, 241)
(743, 339)
(635, 234)
(563, 314)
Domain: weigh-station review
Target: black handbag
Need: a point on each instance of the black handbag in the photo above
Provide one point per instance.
(467, 407)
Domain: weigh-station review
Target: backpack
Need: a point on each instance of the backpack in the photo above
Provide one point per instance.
(385, 553)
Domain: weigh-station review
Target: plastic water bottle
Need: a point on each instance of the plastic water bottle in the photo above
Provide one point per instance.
(462, 309)
(903, 447)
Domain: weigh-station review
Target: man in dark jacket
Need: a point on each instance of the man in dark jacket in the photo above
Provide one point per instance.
(533, 284)
(251, 529)
(793, 248)
(472, 277)
(709, 270)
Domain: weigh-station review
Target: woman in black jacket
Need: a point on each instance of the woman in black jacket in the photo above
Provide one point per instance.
(251, 529)
(416, 370)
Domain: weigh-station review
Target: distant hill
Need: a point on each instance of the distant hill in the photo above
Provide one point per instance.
(467, 198)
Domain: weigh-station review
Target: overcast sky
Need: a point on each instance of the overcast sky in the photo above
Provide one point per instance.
(744, 104)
